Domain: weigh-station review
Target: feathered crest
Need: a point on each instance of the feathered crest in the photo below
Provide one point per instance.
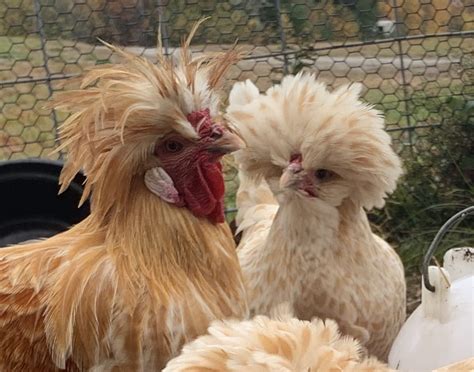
(279, 344)
(120, 111)
(332, 130)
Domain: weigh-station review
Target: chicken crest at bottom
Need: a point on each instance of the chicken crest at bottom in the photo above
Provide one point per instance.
(124, 289)
(280, 343)
(314, 161)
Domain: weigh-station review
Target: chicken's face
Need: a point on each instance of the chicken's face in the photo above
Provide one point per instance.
(311, 182)
(193, 166)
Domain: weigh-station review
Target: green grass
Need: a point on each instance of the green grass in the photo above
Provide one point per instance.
(416, 49)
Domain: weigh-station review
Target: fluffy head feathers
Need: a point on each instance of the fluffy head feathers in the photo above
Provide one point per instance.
(280, 344)
(120, 112)
(331, 130)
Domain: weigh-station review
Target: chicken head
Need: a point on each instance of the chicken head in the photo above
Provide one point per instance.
(190, 172)
(325, 147)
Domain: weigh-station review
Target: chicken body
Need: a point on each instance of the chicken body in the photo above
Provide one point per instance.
(280, 343)
(124, 289)
(75, 302)
(294, 253)
(314, 160)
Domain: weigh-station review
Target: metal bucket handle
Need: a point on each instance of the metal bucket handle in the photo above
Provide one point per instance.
(454, 220)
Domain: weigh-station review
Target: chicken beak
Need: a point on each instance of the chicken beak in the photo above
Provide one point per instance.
(292, 176)
(227, 143)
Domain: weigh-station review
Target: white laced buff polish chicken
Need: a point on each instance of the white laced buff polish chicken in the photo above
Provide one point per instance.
(326, 158)
(124, 289)
(280, 343)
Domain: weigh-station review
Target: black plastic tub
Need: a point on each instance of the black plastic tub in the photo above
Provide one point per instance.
(30, 207)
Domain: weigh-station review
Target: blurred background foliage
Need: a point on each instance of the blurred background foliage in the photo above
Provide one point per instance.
(438, 182)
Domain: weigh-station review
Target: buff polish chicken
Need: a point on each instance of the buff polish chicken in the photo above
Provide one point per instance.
(124, 289)
(314, 162)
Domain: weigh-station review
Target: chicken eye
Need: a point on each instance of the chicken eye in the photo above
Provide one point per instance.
(323, 174)
(173, 146)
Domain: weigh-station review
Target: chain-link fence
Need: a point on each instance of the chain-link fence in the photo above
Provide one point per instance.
(412, 56)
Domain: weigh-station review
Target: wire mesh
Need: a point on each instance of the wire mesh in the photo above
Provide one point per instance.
(410, 55)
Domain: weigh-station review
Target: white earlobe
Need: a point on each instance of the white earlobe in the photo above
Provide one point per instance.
(161, 184)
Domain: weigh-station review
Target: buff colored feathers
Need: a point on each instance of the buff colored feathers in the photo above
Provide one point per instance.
(124, 289)
(281, 343)
(314, 161)
(132, 104)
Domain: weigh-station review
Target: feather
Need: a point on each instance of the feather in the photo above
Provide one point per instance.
(273, 344)
(466, 365)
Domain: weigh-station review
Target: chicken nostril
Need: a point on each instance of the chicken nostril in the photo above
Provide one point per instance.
(216, 133)
(295, 168)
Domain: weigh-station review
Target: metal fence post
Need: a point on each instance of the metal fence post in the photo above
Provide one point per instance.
(282, 37)
(40, 30)
(163, 28)
(404, 80)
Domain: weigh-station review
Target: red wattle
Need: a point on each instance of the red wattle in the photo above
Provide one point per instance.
(204, 191)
